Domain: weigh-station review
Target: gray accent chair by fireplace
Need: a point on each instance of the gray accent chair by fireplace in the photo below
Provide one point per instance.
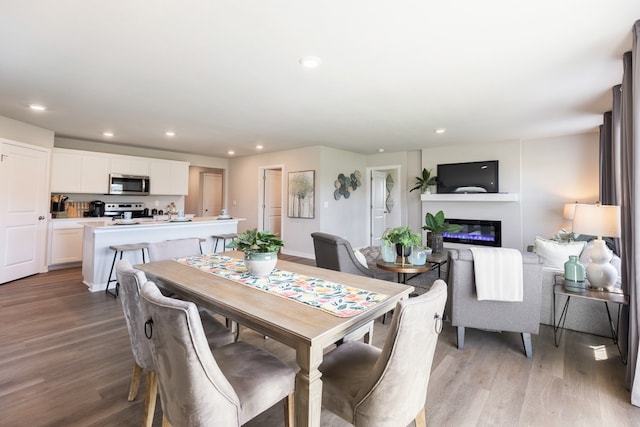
(372, 387)
(466, 311)
(227, 386)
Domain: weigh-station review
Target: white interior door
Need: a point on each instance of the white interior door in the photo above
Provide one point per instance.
(378, 205)
(272, 209)
(211, 194)
(24, 174)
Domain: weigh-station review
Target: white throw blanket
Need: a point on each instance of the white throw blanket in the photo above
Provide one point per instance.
(498, 274)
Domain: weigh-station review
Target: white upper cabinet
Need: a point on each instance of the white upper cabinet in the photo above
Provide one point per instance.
(76, 171)
(169, 177)
(95, 174)
(66, 166)
(130, 165)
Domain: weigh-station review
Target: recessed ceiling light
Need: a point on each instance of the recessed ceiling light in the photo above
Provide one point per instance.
(380, 150)
(107, 134)
(259, 147)
(170, 133)
(310, 61)
(231, 152)
(37, 107)
(440, 131)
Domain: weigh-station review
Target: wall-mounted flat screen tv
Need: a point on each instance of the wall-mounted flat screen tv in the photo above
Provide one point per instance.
(469, 177)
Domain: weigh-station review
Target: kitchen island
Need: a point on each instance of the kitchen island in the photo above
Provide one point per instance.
(99, 235)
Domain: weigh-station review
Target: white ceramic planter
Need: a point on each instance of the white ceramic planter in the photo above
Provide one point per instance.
(260, 264)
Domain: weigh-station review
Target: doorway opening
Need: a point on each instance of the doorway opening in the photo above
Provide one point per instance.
(270, 211)
(385, 201)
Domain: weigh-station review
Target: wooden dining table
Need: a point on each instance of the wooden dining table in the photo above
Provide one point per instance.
(306, 329)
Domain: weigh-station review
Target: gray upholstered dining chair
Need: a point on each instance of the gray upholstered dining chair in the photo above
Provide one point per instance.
(467, 312)
(370, 387)
(174, 248)
(335, 253)
(200, 387)
(131, 280)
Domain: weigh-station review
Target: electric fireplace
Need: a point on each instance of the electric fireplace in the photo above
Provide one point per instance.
(476, 232)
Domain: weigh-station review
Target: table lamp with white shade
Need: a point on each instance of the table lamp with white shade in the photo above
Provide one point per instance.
(599, 220)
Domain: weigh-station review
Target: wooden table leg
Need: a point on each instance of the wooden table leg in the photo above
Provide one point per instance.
(308, 393)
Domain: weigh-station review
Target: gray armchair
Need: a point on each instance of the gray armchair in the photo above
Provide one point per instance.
(467, 312)
(335, 253)
(370, 387)
(199, 387)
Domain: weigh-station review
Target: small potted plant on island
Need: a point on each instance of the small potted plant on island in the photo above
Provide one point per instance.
(436, 225)
(425, 182)
(260, 250)
(403, 240)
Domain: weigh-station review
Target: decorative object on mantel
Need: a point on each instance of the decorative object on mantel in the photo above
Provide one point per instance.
(389, 201)
(436, 224)
(344, 183)
(599, 220)
(425, 182)
(301, 203)
(403, 240)
(260, 250)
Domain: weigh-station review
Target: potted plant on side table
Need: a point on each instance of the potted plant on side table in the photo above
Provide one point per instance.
(403, 240)
(436, 225)
(260, 250)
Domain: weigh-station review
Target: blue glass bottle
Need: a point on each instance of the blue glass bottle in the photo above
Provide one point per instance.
(574, 275)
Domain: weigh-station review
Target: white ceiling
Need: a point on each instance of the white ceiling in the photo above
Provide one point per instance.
(224, 74)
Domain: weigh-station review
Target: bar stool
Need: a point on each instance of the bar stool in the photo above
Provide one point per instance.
(224, 238)
(121, 249)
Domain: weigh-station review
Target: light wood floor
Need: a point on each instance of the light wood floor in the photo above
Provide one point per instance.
(65, 360)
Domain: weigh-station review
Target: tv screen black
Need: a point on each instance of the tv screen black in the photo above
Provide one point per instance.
(470, 177)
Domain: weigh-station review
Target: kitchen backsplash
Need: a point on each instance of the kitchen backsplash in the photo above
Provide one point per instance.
(77, 204)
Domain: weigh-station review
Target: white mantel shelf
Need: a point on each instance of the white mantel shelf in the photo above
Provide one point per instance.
(470, 197)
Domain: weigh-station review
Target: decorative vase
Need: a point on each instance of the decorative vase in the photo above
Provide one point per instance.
(419, 255)
(388, 253)
(435, 241)
(403, 250)
(260, 264)
(574, 274)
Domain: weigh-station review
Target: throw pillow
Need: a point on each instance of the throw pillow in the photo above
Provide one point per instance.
(361, 258)
(555, 254)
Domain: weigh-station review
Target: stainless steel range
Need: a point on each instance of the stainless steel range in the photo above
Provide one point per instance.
(117, 209)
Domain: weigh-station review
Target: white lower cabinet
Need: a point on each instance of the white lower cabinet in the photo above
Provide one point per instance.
(66, 246)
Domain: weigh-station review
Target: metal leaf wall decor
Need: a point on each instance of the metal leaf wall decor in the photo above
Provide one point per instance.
(345, 184)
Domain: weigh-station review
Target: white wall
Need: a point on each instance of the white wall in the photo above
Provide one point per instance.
(509, 177)
(546, 173)
(104, 147)
(244, 198)
(557, 171)
(26, 133)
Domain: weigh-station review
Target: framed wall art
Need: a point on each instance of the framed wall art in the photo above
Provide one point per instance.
(301, 195)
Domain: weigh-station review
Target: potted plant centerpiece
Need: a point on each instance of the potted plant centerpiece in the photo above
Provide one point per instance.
(402, 238)
(260, 250)
(425, 182)
(436, 224)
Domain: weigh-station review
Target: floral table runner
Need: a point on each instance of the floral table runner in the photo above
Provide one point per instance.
(335, 298)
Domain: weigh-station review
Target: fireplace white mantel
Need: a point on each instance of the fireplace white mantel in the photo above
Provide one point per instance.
(470, 197)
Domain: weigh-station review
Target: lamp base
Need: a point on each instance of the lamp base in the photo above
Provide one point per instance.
(600, 272)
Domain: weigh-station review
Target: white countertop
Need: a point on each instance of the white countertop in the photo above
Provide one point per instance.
(146, 222)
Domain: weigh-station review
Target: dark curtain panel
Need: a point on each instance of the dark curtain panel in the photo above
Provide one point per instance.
(630, 195)
(607, 162)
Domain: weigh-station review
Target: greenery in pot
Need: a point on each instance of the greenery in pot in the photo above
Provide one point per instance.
(401, 235)
(254, 241)
(425, 181)
(438, 225)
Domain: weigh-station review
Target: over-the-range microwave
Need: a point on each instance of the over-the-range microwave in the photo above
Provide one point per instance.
(133, 185)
